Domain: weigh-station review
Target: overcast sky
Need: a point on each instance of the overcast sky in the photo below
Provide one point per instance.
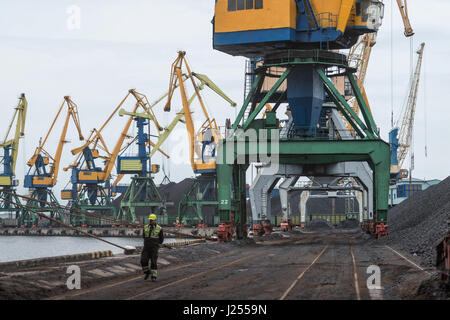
(123, 44)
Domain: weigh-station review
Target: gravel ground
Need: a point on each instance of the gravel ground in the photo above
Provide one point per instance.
(434, 289)
(419, 223)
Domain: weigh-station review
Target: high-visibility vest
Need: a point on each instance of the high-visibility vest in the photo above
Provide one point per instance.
(154, 234)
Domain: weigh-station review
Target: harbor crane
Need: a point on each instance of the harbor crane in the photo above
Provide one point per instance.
(359, 54)
(142, 192)
(400, 137)
(403, 6)
(8, 159)
(203, 141)
(44, 168)
(301, 38)
(95, 190)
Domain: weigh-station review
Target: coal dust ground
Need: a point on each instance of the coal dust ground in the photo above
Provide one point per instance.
(297, 265)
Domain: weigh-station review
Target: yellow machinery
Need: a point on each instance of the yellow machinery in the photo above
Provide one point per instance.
(255, 28)
(8, 159)
(11, 146)
(359, 55)
(41, 180)
(208, 134)
(400, 137)
(203, 141)
(90, 183)
(403, 6)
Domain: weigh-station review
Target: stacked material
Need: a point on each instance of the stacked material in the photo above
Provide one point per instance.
(172, 192)
(314, 206)
(419, 223)
(349, 224)
(319, 225)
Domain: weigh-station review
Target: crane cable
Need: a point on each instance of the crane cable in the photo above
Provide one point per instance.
(425, 104)
(92, 215)
(126, 250)
(392, 64)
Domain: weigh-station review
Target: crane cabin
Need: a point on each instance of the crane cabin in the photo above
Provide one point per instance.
(253, 28)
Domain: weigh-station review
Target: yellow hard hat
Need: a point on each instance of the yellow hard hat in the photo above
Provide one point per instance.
(152, 217)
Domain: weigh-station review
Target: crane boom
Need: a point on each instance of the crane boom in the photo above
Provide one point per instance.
(406, 129)
(403, 6)
(360, 53)
(39, 161)
(210, 125)
(19, 117)
(360, 56)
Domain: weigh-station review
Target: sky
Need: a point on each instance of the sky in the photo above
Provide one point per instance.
(125, 44)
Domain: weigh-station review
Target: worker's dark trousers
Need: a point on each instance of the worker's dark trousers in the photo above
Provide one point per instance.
(150, 253)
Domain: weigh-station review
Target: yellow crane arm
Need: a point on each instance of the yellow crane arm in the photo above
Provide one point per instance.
(80, 149)
(179, 118)
(72, 112)
(206, 80)
(406, 129)
(359, 57)
(111, 162)
(344, 14)
(403, 6)
(19, 116)
(141, 102)
(176, 79)
(167, 131)
(187, 117)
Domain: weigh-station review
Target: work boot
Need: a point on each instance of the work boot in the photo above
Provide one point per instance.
(147, 274)
(153, 278)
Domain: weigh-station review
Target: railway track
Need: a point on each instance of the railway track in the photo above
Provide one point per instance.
(281, 270)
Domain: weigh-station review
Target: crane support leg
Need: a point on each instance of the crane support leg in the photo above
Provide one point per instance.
(308, 88)
(376, 153)
(142, 192)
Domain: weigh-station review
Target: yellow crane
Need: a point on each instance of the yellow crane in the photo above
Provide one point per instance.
(41, 180)
(359, 55)
(41, 158)
(8, 160)
(209, 132)
(202, 141)
(11, 146)
(400, 137)
(104, 174)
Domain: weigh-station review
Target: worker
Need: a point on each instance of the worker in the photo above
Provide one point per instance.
(153, 237)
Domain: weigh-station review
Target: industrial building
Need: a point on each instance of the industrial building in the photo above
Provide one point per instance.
(406, 188)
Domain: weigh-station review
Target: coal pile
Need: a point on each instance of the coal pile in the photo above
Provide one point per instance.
(419, 223)
(319, 225)
(172, 192)
(313, 206)
(434, 289)
(349, 224)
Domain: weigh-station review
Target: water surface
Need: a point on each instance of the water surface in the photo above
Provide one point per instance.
(14, 248)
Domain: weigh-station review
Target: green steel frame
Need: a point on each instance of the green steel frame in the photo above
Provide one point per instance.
(132, 199)
(10, 207)
(103, 205)
(368, 147)
(29, 217)
(190, 208)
